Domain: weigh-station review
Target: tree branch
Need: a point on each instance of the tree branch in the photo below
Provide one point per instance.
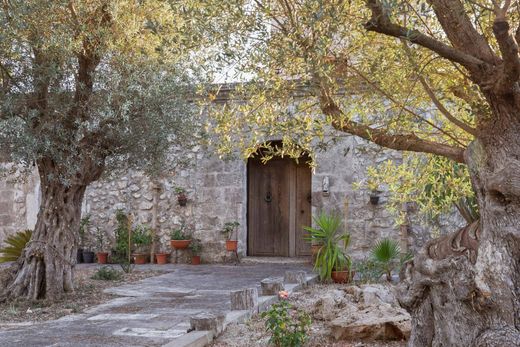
(466, 127)
(509, 49)
(408, 142)
(380, 22)
(459, 29)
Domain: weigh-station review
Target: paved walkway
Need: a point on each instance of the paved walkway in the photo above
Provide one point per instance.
(150, 312)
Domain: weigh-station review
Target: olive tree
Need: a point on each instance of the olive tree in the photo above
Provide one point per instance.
(87, 87)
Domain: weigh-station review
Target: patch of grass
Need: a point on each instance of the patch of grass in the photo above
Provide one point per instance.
(106, 273)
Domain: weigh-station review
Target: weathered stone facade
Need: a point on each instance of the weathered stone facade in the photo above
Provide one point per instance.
(217, 193)
(19, 201)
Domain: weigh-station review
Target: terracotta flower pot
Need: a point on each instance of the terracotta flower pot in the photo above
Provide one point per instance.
(140, 258)
(102, 257)
(195, 260)
(231, 245)
(341, 276)
(162, 258)
(180, 244)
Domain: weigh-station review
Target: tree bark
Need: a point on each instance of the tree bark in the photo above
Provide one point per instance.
(45, 268)
(464, 289)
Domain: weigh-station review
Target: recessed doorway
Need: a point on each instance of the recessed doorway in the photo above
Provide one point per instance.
(279, 205)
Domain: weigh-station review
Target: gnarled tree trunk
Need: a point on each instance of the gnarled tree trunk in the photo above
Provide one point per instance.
(45, 269)
(464, 289)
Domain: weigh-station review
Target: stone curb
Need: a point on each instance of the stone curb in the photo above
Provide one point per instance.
(192, 339)
(204, 338)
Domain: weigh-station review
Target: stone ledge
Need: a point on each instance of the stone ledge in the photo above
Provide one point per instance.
(192, 339)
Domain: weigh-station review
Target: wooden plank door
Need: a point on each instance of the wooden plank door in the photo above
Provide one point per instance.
(268, 207)
(278, 206)
(303, 208)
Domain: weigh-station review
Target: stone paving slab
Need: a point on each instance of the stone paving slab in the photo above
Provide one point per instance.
(152, 312)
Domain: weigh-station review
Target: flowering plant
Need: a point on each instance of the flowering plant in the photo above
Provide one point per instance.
(288, 326)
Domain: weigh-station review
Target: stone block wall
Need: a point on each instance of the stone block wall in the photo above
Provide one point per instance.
(19, 201)
(217, 193)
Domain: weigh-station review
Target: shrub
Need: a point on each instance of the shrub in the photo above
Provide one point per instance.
(367, 270)
(141, 236)
(195, 246)
(287, 325)
(121, 232)
(106, 273)
(386, 255)
(15, 245)
(83, 232)
(334, 241)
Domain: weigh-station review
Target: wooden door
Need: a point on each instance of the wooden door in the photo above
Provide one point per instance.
(303, 208)
(278, 206)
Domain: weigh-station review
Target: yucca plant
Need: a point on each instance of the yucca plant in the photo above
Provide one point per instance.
(15, 245)
(387, 255)
(334, 241)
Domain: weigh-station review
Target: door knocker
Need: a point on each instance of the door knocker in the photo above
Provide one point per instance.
(268, 197)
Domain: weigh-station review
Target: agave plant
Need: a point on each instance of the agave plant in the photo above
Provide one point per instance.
(334, 241)
(15, 245)
(387, 255)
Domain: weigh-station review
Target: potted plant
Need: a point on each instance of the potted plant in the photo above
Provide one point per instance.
(179, 239)
(331, 256)
(341, 272)
(141, 239)
(87, 256)
(161, 258)
(102, 256)
(182, 198)
(229, 229)
(195, 247)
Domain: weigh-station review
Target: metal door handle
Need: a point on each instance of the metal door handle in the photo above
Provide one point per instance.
(268, 197)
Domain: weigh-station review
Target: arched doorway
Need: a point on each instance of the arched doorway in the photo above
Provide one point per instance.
(279, 205)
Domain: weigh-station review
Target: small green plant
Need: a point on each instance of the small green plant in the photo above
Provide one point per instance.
(179, 190)
(386, 255)
(229, 229)
(335, 241)
(15, 245)
(141, 235)
(122, 232)
(107, 273)
(195, 246)
(84, 223)
(180, 233)
(287, 325)
(100, 239)
(367, 270)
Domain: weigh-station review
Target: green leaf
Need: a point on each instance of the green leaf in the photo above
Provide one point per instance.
(15, 245)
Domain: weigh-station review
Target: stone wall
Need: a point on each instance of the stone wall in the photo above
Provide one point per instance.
(217, 193)
(19, 201)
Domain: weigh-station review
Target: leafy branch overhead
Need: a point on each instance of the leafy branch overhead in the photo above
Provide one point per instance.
(409, 77)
